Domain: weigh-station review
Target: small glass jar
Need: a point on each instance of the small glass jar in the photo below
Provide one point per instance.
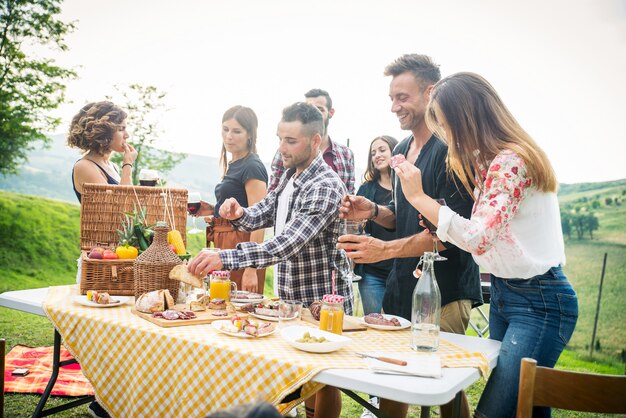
(331, 314)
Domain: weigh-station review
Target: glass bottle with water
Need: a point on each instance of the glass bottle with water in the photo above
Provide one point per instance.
(426, 308)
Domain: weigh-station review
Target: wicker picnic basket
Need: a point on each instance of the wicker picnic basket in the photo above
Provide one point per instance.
(101, 215)
(152, 267)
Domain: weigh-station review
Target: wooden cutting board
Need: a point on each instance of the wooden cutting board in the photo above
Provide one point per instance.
(205, 317)
(350, 323)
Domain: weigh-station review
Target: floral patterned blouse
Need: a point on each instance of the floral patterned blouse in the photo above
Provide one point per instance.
(515, 230)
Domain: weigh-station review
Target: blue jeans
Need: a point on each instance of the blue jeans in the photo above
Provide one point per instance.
(532, 318)
(372, 289)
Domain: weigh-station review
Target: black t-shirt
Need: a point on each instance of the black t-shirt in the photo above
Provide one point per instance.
(234, 182)
(458, 277)
(378, 194)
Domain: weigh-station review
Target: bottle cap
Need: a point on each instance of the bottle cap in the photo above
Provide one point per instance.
(333, 298)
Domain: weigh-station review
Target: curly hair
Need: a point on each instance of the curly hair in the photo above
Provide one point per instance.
(93, 127)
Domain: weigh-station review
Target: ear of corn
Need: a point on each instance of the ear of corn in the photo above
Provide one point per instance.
(174, 237)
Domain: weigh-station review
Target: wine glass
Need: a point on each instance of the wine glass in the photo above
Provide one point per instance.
(353, 227)
(193, 206)
(433, 231)
(148, 177)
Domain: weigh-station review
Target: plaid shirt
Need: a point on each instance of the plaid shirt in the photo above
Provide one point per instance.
(343, 158)
(304, 253)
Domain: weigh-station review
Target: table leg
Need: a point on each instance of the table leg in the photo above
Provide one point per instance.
(424, 411)
(56, 364)
(456, 406)
(377, 412)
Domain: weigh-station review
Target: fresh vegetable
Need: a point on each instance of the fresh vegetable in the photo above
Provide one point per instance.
(109, 255)
(172, 248)
(143, 243)
(135, 229)
(96, 253)
(127, 251)
(174, 238)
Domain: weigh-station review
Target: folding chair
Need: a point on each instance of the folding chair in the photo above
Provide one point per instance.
(485, 285)
(583, 392)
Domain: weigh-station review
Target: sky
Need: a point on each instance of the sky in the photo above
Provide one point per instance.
(559, 65)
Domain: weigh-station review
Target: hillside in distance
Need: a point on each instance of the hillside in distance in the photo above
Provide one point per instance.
(48, 173)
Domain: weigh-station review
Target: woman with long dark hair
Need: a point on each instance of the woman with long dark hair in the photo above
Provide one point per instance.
(377, 188)
(514, 231)
(244, 177)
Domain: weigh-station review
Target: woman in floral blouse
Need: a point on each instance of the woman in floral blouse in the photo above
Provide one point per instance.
(514, 231)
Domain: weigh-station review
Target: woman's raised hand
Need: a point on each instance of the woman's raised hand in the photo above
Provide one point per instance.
(130, 154)
(410, 179)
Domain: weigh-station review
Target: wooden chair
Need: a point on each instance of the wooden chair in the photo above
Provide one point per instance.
(583, 392)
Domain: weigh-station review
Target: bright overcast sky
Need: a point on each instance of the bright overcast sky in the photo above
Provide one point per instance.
(559, 65)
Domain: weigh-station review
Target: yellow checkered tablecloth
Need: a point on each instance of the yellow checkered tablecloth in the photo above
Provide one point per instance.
(140, 369)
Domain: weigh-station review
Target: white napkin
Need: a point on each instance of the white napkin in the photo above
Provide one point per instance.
(424, 365)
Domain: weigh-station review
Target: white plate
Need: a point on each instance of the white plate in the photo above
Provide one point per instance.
(293, 333)
(403, 323)
(264, 317)
(239, 300)
(82, 300)
(241, 334)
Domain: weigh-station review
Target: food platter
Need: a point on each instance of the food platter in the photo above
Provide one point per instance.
(119, 300)
(243, 296)
(294, 333)
(223, 325)
(403, 323)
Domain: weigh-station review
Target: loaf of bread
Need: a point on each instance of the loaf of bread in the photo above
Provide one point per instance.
(155, 301)
(181, 274)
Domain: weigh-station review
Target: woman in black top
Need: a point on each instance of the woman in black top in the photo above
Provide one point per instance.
(244, 178)
(377, 188)
(99, 129)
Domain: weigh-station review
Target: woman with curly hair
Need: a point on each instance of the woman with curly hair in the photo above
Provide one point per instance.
(98, 130)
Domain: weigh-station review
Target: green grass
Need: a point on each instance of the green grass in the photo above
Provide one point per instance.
(39, 241)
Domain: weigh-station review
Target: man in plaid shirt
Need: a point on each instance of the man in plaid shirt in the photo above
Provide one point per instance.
(338, 157)
(303, 208)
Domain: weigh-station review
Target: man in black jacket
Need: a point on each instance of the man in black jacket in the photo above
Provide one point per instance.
(413, 77)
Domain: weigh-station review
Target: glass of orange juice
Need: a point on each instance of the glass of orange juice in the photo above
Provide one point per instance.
(331, 314)
(220, 285)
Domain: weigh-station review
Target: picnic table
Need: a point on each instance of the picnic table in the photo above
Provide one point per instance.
(138, 368)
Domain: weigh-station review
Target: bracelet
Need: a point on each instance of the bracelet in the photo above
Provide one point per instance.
(125, 164)
(375, 212)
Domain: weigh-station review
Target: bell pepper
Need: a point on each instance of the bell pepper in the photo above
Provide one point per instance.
(127, 252)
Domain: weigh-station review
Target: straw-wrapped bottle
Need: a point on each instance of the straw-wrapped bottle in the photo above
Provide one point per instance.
(152, 268)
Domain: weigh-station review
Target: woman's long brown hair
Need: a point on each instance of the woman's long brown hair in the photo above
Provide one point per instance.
(248, 121)
(465, 110)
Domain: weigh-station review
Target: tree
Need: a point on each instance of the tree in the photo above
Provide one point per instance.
(592, 223)
(145, 105)
(29, 86)
(566, 224)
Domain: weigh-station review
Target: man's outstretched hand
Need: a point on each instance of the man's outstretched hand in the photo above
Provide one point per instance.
(231, 209)
(356, 207)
